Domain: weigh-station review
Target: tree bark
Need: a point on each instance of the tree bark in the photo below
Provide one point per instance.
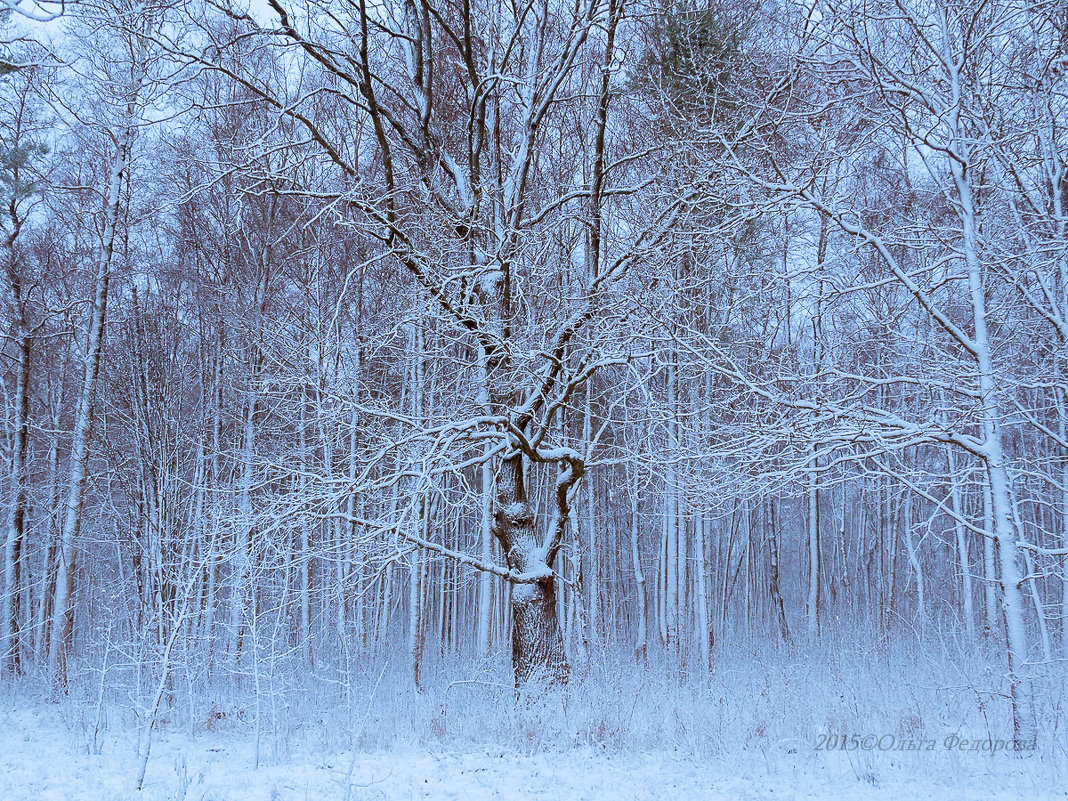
(642, 648)
(776, 592)
(62, 610)
(1023, 714)
(537, 643)
(962, 547)
(812, 604)
(11, 600)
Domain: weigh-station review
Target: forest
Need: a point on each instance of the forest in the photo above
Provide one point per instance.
(536, 389)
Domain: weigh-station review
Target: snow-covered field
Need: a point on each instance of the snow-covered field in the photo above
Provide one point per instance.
(750, 729)
(47, 754)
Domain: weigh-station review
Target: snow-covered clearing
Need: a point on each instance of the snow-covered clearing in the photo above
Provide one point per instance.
(46, 754)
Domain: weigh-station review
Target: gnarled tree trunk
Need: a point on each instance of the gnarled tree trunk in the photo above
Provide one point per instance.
(537, 643)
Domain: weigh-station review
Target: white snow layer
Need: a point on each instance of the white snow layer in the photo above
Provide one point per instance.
(46, 754)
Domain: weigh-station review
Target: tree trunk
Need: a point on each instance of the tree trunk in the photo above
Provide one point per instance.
(241, 572)
(671, 521)
(485, 580)
(11, 599)
(962, 547)
(1024, 725)
(62, 610)
(776, 591)
(537, 644)
(914, 563)
(1062, 414)
(593, 546)
(702, 625)
(16, 516)
(415, 614)
(990, 572)
(642, 648)
(812, 605)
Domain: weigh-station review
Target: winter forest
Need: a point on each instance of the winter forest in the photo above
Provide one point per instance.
(603, 399)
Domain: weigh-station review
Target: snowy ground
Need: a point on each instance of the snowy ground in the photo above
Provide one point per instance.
(46, 755)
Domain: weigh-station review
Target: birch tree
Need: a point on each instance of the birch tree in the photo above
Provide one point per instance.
(122, 82)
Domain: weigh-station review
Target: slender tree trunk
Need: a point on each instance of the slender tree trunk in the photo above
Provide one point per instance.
(1024, 726)
(417, 565)
(62, 611)
(962, 546)
(990, 574)
(914, 563)
(304, 625)
(415, 613)
(671, 520)
(12, 600)
(48, 551)
(485, 579)
(641, 651)
(890, 537)
(485, 582)
(661, 583)
(776, 592)
(593, 546)
(241, 571)
(812, 605)
(702, 625)
(341, 569)
(1062, 414)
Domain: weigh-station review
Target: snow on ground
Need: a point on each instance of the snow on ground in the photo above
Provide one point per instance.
(46, 756)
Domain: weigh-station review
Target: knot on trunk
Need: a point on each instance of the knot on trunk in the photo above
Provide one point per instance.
(516, 513)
